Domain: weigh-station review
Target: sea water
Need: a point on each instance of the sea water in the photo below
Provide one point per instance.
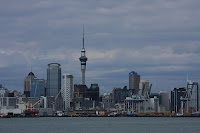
(100, 125)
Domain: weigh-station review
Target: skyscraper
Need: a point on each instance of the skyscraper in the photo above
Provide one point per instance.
(176, 95)
(27, 83)
(83, 60)
(67, 90)
(53, 79)
(37, 87)
(134, 80)
(144, 88)
(164, 100)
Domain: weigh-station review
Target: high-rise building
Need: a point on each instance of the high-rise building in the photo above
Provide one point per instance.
(134, 80)
(176, 95)
(120, 94)
(85, 97)
(27, 83)
(53, 79)
(144, 88)
(93, 94)
(67, 90)
(37, 88)
(83, 60)
(164, 101)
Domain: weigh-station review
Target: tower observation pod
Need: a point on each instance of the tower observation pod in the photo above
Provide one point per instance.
(83, 60)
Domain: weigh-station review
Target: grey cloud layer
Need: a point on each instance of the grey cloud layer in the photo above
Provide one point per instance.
(159, 39)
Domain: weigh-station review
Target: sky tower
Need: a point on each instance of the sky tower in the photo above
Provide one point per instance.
(83, 60)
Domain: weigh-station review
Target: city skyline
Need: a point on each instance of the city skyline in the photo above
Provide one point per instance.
(158, 39)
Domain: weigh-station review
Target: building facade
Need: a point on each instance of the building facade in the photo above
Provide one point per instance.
(108, 101)
(67, 90)
(144, 88)
(27, 83)
(176, 94)
(164, 101)
(53, 87)
(119, 95)
(93, 94)
(53, 79)
(134, 80)
(37, 88)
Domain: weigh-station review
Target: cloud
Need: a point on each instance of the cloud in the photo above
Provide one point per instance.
(159, 39)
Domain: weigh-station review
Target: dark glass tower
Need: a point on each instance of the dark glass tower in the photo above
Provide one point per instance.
(83, 60)
(53, 79)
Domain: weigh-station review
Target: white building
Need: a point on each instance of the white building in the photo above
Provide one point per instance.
(138, 104)
(144, 88)
(67, 90)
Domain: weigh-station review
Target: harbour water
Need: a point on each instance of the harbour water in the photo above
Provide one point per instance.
(100, 125)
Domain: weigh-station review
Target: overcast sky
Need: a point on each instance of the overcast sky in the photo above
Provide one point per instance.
(159, 39)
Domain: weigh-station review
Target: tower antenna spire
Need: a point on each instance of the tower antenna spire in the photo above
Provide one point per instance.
(83, 37)
(83, 60)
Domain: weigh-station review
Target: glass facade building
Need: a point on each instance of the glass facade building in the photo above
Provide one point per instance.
(27, 83)
(37, 88)
(134, 80)
(53, 79)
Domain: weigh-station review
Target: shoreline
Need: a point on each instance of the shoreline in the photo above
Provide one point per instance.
(97, 116)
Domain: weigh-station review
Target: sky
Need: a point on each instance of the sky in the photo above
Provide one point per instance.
(159, 39)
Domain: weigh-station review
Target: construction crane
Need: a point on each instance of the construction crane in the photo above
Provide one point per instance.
(191, 98)
(29, 107)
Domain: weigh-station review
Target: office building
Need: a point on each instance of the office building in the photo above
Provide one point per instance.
(176, 94)
(54, 84)
(27, 83)
(164, 101)
(134, 80)
(119, 95)
(144, 88)
(93, 94)
(67, 90)
(108, 101)
(53, 79)
(37, 88)
(84, 97)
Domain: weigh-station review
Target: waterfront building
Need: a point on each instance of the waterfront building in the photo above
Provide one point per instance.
(27, 83)
(140, 104)
(80, 91)
(3, 92)
(8, 102)
(108, 101)
(67, 90)
(80, 100)
(93, 94)
(83, 60)
(53, 79)
(164, 101)
(134, 104)
(176, 94)
(54, 84)
(120, 94)
(84, 97)
(190, 102)
(134, 80)
(37, 88)
(144, 88)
